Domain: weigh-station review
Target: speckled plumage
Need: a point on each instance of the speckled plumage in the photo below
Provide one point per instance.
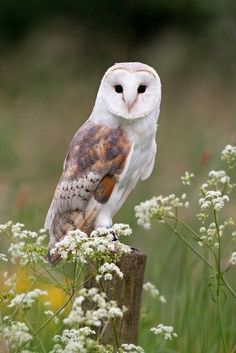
(108, 155)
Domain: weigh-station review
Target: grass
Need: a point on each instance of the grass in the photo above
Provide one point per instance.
(48, 90)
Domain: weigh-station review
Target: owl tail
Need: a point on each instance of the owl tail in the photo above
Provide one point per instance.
(70, 221)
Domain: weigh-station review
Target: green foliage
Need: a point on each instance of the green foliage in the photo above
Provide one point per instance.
(138, 19)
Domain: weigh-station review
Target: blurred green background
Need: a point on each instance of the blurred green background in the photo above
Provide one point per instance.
(53, 55)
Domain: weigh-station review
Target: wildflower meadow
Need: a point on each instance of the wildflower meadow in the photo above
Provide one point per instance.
(50, 310)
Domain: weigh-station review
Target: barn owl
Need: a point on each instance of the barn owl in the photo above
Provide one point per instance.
(109, 154)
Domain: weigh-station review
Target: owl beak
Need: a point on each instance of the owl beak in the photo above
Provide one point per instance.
(130, 102)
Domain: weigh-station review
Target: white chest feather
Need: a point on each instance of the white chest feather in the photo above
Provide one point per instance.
(138, 166)
(142, 136)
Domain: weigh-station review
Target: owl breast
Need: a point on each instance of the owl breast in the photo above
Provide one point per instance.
(141, 135)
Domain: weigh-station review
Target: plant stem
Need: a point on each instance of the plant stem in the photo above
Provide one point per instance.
(187, 227)
(188, 244)
(38, 338)
(113, 324)
(234, 349)
(221, 321)
(218, 289)
(54, 278)
(228, 286)
(230, 289)
(115, 334)
(56, 313)
(15, 280)
(29, 289)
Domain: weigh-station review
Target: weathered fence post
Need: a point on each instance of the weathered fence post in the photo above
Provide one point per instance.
(127, 292)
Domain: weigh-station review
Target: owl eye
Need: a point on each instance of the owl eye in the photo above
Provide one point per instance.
(141, 89)
(118, 89)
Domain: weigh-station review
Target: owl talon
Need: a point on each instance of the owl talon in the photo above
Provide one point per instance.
(115, 238)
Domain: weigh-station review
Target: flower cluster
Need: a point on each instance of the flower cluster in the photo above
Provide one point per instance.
(70, 245)
(229, 155)
(187, 178)
(209, 234)
(149, 288)
(218, 177)
(51, 314)
(232, 260)
(218, 181)
(3, 258)
(160, 207)
(26, 300)
(26, 246)
(17, 334)
(101, 244)
(102, 309)
(130, 348)
(166, 332)
(107, 270)
(17, 231)
(78, 340)
(121, 229)
(213, 199)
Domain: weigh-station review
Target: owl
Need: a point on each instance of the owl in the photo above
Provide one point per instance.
(109, 154)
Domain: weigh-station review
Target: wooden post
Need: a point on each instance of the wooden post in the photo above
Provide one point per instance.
(127, 292)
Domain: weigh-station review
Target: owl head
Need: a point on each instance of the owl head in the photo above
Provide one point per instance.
(130, 90)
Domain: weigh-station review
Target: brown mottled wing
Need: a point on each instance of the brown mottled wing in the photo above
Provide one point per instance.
(96, 156)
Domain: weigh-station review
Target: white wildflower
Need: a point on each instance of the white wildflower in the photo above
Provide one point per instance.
(163, 299)
(74, 335)
(3, 258)
(122, 229)
(72, 341)
(187, 178)
(10, 282)
(145, 211)
(232, 260)
(130, 348)
(50, 313)
(209, 235)
(70, 243)
(186, 204)
(114, 312)
(5, 227)
(229, 155)
(160, 207)
(17, 334)
(167, 332)
(213, 199)
(219, 176)
(103, 310)
(101, 232)
(101, 244)
(151, 289)
(106, 271)
(26, 252)
(202, 217)
(17, 230)
(26, 300)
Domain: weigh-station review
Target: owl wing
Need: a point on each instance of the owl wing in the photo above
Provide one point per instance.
(96, 157)
(148, 168)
